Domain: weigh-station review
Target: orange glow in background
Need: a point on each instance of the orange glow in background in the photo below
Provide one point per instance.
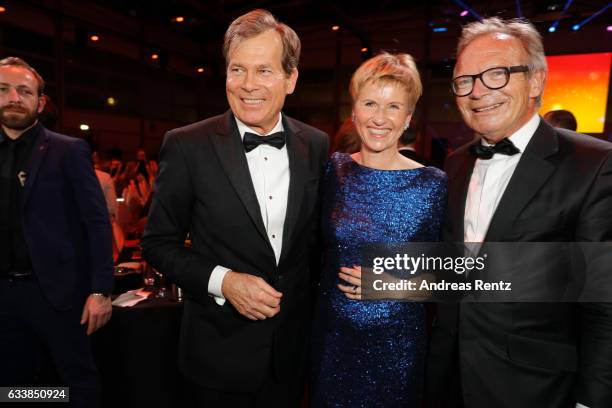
(579, 83)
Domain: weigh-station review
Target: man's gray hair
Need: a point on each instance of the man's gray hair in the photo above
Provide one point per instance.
(259, 21)
(520, 29)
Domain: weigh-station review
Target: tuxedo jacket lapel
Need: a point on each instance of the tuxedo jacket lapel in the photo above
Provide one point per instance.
(297, 149)
(38, 154)
(530, 174)
(229, 149)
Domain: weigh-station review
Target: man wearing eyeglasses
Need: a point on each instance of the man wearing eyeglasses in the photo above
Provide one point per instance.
(521, 181)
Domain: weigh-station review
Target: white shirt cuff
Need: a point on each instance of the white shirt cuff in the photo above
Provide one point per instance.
(215, 282)
(579, 405)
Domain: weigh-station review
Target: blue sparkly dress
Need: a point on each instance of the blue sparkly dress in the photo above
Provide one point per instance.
(371, 353)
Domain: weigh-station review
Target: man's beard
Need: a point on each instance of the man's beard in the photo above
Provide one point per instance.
(17, 117)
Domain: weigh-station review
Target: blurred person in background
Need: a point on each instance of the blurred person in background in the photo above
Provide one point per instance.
(561, 118)
(346, 139)
(407, 146)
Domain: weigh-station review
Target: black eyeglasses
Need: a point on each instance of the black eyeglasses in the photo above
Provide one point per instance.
(492, 78)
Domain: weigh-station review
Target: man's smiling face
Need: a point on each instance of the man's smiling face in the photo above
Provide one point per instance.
(496, 114)
(256, 84)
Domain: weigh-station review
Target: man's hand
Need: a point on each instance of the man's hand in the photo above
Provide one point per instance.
(96, 312)
(251, 295)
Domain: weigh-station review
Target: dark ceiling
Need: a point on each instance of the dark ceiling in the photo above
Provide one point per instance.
(208, 20)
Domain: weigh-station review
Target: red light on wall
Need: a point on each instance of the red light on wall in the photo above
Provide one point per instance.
(179, 19)
(154, 56)
(94, 38)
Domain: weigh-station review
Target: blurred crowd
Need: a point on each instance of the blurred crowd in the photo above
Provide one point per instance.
(127, 187)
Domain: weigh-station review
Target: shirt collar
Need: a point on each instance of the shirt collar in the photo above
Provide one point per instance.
(523, 135)
(242, 128)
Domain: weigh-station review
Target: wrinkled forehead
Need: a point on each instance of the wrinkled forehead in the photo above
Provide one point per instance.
(266, 42)
(488, 51)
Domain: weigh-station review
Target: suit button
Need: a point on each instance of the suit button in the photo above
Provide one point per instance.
(452, 333)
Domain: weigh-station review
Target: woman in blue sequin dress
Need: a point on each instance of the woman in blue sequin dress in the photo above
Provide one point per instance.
(371, 353)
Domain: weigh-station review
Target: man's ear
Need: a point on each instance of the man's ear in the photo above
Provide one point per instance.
(292, 80)
(536, 84)
(42, 101)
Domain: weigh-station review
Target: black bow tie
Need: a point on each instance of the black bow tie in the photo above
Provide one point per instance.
(504, 146)
(251, 140)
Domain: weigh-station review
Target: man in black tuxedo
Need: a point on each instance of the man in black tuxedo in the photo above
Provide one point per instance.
(245, 186)
(56, 259)
(521, 181)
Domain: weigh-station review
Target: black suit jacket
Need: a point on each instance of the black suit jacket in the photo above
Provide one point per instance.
(204, 187)
(531, 354)
(65, 221)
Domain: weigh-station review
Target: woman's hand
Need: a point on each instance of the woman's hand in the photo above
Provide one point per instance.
(353, 277)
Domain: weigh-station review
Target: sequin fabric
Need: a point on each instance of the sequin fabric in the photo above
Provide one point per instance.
(371, 353)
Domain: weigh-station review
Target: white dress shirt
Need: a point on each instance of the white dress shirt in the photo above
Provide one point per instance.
(269, 168)
(489, 181)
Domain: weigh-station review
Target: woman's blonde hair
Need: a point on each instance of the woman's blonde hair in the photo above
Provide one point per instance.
(397, 69)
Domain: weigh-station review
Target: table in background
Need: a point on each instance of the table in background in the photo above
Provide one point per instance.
(136, 354)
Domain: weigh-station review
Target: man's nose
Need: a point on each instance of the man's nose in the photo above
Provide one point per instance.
(12, 94)
(479, 89)
(249, 83)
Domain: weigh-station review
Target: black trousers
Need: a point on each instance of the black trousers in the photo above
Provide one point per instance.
(273, 394)
(28, 325)
(270, 397)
